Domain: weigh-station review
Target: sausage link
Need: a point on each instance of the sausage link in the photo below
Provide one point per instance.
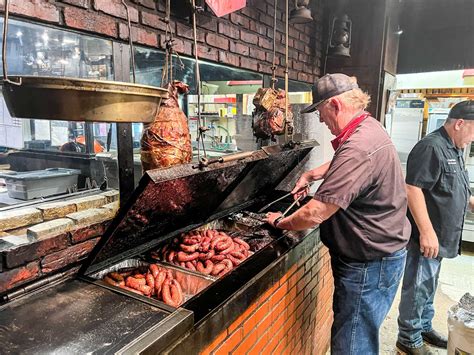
(228, 264)
(225, 244)
(176, 292)
(150, 279)
(237, 254)
(154, 269)
(189, 248)
(190, 240)
(145, 289)
(241, 242)
(160, 278)
(207, 256)
(182, 256)
(234, 260)
(139, 276)
(227, 251)
(125, 274)
(134, 283)
(217, 240)
(217, 258)
(166, 294)
(204, 246)
(205, 268)
(111, 281)
(116, 276)
(189, 265)
(171, 256)
(217, 269)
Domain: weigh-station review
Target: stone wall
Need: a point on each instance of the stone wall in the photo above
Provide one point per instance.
(40, 240)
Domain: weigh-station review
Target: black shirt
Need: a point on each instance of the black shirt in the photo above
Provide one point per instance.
(365, 180)
(437, 167)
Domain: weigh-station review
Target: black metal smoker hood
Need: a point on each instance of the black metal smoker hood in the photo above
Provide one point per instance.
(178, 199)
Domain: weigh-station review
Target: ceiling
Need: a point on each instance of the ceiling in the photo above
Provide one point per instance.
(437, 35)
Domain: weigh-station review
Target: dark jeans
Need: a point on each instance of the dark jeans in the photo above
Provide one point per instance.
(363, 295)
(416, 304)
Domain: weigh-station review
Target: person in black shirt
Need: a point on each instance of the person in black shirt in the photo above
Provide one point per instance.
(438, 197)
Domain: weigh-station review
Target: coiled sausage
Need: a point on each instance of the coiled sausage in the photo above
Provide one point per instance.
(182, 256)
(205, 268)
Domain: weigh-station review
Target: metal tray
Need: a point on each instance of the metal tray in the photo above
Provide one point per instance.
(72, 99)
(191, 283)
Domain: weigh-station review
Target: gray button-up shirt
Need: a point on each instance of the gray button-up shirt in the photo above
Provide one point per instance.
(437, 167)
(365, 180)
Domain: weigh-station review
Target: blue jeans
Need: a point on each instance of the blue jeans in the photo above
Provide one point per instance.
(363, 295)
(416, 304)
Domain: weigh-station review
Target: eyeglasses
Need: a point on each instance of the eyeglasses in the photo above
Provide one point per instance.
(318, 108)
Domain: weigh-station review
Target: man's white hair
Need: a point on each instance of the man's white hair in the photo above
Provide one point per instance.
(356, 98)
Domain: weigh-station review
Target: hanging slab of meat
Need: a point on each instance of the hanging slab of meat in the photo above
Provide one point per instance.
(269, 114)
(166, 141)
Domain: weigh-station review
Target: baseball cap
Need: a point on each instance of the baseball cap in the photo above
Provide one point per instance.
(463, 109)
(328, 86)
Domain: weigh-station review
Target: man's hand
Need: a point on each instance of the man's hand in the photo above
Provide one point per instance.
(300, 190)
(429, 245)
(272, 216)
(307, 177)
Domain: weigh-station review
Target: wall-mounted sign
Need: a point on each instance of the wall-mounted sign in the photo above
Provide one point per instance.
(224, 7)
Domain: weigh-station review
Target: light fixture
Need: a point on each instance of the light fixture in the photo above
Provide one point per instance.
(19, 34)
(340, 37)
(398, 31)
(301, 13)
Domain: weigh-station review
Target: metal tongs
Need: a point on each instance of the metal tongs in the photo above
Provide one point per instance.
(285, 196)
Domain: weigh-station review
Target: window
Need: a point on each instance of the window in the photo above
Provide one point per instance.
(226, 102)
(37, 145)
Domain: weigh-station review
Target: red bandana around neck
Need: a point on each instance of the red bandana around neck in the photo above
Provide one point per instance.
(348, 130)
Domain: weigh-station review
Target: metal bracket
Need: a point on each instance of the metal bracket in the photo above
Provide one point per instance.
(204, 162)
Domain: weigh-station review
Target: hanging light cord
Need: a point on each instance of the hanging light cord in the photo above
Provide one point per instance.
(274, 79)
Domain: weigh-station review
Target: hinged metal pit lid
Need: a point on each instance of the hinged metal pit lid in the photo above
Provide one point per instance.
(170, 201)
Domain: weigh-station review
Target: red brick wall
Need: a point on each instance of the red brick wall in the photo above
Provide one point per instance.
(293, 316)
(242, 39)
(24, 263)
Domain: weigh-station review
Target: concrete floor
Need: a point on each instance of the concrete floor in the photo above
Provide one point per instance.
(456, 278)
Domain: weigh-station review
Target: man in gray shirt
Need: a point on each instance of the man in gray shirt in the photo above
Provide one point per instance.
(361, 206)
(438, 195)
